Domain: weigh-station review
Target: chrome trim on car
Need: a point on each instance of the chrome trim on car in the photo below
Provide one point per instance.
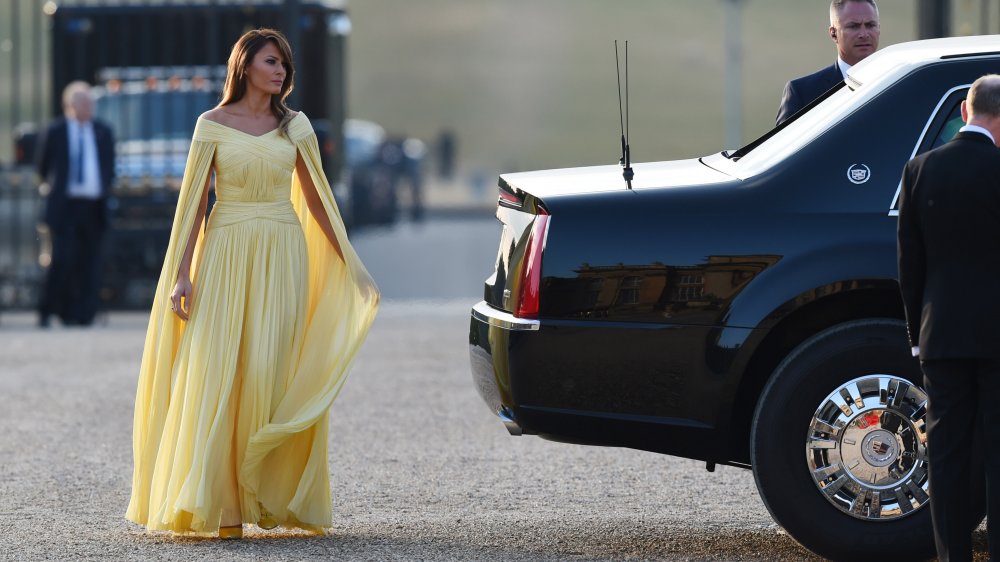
(507, 417)
(500, 319)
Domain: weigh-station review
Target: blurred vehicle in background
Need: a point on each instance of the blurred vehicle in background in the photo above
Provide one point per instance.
(373, 201)
(152, 112)
(404, 157)
(377, 168)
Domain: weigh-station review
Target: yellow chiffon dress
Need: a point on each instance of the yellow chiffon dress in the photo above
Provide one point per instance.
(231, 407)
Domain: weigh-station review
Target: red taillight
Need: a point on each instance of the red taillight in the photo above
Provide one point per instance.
(509, 197)
(531, 272)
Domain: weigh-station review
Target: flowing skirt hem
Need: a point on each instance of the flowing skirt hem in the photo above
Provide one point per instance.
(176, 528)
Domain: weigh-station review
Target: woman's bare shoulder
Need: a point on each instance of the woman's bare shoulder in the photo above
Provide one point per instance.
(215, 114)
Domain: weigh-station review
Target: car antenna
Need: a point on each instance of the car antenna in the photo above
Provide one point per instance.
(626, 159)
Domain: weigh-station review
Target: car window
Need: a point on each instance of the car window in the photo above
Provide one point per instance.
(941, 128)
(746, 149)
(945, 122)
(790, 136)
(951, 126)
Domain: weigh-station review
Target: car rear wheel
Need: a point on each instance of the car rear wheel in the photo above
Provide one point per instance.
(838, 445)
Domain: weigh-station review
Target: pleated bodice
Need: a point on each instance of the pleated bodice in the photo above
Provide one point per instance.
(253, 175)
(253, 168)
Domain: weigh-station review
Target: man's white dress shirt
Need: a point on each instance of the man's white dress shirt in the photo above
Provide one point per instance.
(81, 137)
(844, 67)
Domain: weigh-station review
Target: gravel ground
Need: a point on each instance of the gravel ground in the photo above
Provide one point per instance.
(420, 469)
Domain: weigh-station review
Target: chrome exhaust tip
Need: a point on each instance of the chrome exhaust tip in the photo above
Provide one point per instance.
(507, 417)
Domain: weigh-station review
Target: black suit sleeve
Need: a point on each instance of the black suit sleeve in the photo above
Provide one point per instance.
(107, 155)
(911, 257)
(790, 103)
(43, 154)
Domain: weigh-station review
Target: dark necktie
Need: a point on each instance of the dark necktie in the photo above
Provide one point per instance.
(79, 155)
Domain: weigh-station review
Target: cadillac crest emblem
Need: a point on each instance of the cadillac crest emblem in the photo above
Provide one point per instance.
(859, 173)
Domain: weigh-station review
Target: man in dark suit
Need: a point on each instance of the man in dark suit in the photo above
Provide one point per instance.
(949, 270)
(76, 163)
(854, 27)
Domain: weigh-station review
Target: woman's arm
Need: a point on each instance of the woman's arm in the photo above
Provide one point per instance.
(180, 298)
(315, 204)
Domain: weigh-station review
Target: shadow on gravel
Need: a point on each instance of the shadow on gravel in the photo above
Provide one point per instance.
(621, 539)
(558, 540)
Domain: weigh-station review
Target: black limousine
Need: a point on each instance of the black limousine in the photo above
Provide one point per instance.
(740, 308)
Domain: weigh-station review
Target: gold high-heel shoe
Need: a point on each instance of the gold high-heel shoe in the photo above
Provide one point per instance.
(231, 532)
(267, 520)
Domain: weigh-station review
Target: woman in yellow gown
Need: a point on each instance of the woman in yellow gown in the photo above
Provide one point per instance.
(255, 323)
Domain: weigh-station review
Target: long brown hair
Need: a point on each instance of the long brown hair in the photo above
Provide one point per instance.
(240, 58)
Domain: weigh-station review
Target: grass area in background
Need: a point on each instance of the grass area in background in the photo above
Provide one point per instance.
(529, 84)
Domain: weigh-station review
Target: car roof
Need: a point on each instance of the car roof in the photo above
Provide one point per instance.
(896, 61)
(866, 79)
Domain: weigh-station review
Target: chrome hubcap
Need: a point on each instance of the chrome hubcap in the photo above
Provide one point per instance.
(867, 448)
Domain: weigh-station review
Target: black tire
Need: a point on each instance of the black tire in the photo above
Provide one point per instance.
(781, 425)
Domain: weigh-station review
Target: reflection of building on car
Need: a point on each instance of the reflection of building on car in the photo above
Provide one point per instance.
(380, 168)
(741, 308)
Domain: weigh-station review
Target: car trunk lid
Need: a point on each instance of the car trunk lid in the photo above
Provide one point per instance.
(547, 184)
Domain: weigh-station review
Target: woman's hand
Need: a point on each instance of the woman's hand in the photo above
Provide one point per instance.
(180, 299)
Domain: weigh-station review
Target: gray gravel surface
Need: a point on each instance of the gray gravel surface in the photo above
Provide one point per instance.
(420, 468)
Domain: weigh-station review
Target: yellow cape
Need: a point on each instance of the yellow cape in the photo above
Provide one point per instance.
(342, 303)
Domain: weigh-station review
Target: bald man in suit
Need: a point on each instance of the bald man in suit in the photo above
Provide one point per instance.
(854, 28)
(949, 264)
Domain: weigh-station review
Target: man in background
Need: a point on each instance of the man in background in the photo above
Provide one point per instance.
(949, 219)
(854, 28)
(76, 163)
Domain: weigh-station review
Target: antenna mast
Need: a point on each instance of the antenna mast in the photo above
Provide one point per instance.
(626, 158)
